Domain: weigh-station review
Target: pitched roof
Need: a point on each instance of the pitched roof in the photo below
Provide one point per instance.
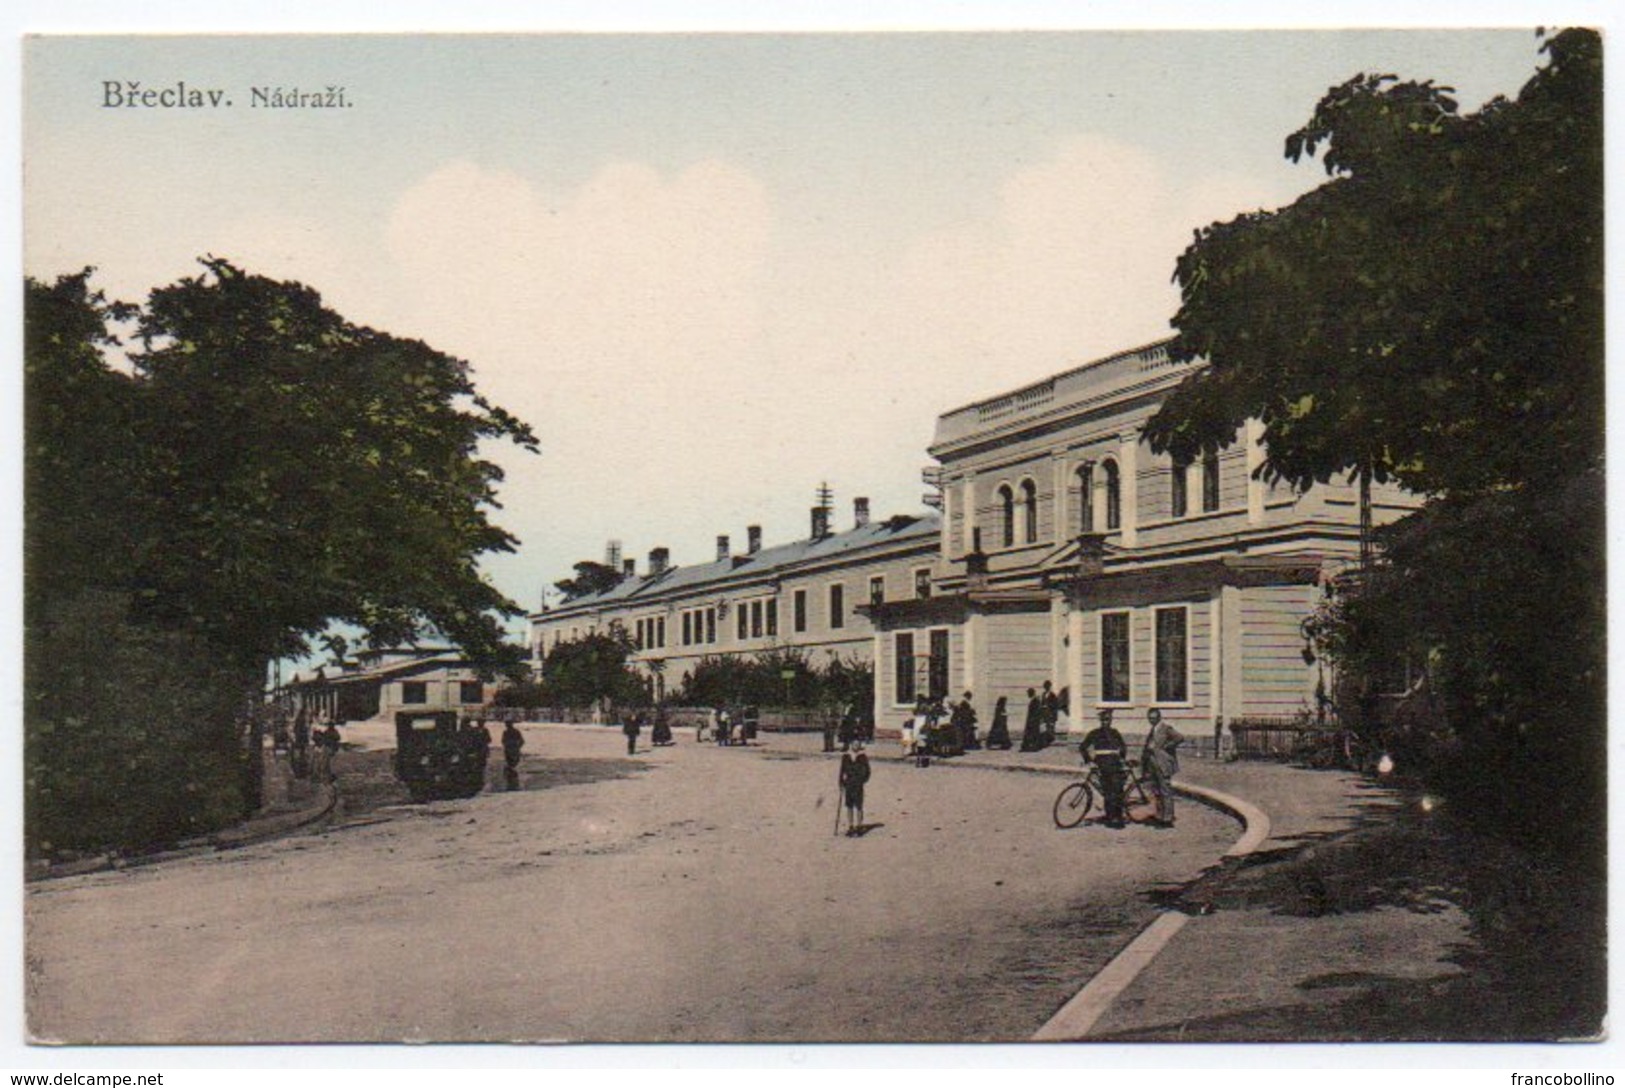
(765, 562)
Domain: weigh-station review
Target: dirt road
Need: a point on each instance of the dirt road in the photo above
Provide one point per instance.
(685, 894)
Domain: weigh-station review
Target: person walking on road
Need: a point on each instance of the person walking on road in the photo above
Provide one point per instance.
(853, 776)
(327, 746)
(513, 742)
(964, 723)
(998, 734)
(632, 727)
(1032, 734)
(1052, 712)
(1160, 760)
(1105, 748)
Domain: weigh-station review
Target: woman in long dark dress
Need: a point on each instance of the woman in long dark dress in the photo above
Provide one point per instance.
(998, 734)
(1032, 734)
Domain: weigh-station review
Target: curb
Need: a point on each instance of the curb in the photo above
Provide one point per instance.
(1075, 1019)
(229, 838)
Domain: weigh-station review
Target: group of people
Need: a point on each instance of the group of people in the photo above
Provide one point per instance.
(660, 735)
(1043, 712)
(1105, 747)
(939, 728)
(299, 743)
(728, 726)
(476, 735)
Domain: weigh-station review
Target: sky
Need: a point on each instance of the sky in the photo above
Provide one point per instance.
(711, 270)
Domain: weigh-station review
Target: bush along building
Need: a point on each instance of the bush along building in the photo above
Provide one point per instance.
(1069, 553)
(1062, 550)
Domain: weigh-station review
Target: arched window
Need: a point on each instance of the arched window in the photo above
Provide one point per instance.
(1007, 501)
(1029, 508)
(1086, 499)
(1114, 496)
(1210, 482)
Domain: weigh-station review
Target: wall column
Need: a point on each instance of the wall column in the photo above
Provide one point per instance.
(1230, 651)
(1128, 459)
(1252, 431)
(882, 677)
(1074, 667)
(967, 492)
(1058, 509)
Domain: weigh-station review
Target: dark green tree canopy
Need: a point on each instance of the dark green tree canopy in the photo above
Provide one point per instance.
(589, 578)
(1433, 313)
(269, 469)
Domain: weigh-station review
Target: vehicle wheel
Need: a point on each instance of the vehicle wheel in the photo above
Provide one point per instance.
(1073, 804)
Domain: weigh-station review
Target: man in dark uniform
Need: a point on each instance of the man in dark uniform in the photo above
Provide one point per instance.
(1105, 748)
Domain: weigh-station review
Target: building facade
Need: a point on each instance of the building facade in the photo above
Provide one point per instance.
(1070, 553)
(377, 683)
(804, 595)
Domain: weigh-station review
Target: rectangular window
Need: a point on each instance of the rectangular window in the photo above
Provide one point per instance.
(938, 674)
(877, 589)
(1173, 655)
(922, 583)
(414, 691)
(1179, 483)
(743, 612)
(660, 631)
(837, 605)
(687, 631)
(756, 619)
(472, 691)
(772, 618)
(798, 609)
(710, 625)
(905, 667)
(1114, 657)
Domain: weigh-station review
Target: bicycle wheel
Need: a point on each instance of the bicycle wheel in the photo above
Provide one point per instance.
(1073, 804)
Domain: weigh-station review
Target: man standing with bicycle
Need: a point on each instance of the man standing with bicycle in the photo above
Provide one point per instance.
(1159, 763)
(1105, 747)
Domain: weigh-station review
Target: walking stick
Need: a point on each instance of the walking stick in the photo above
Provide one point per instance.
(838, 800)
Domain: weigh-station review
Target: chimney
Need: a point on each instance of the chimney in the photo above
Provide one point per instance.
(723, 551)
(860, 513)
(658, 558)
(753, 533)
(820, 522)
(629, 568)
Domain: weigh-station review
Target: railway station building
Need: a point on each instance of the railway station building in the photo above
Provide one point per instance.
(1061, 549)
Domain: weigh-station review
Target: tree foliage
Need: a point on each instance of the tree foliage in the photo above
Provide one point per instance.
(267, 469)
(589, 578)
(729, 679)
(307, 471)
(1434, 315)
(1431, 314)
(592, 670)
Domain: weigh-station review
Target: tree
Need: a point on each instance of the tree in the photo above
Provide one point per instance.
(1433, 314)
(590, 578)
(268, 469)
(306, 471)
(592, 669)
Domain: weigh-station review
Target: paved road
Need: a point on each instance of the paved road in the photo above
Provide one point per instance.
(688, 894)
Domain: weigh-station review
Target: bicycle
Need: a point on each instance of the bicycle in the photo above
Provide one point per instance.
(1073, 803)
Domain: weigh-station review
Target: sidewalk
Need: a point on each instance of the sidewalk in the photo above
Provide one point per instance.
(1333, 915)
(289, 805)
